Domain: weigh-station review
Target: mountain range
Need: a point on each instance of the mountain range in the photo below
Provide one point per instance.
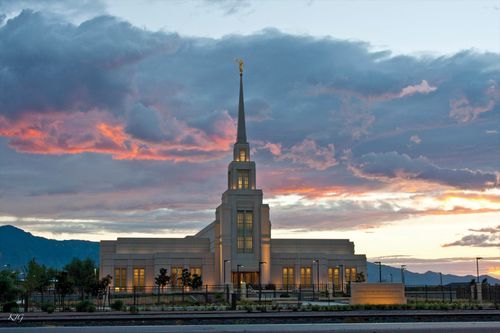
(17, 247)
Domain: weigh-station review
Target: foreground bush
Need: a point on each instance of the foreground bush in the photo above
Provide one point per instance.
(117, 305)
(85, 306)
(10, 307)
(47, 307)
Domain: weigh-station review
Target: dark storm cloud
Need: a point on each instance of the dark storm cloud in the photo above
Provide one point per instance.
(85, 93)
(49, 65)
(393, 165)
(144, 123)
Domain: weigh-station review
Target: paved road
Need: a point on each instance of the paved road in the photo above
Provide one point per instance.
(435, 327)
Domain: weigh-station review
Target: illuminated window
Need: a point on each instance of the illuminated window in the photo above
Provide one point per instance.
(305, 276)
(243, 179)
(244, 224)
(139, 278)
(350, 274)
(176, 275)
(243, 155)
(334, 277)
(120, 279)
(287, 276)
(195, 270)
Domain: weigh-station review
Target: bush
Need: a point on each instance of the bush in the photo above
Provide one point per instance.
(85, 306)
(284, 295)
(134, 309)
(47, 307)
(117, 305)
(10, 307)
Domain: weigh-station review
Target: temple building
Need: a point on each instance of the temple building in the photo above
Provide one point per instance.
(236, 244)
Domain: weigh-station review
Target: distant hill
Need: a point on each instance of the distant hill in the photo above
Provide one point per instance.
(17, 247)
(411, 278)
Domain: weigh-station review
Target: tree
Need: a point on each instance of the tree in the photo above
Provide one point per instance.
(83, 274)
(8, 289)
(360, 277)
(185, 278)
(64, 285)
(101, 287)
(196, 281)
(161, 281)
(38, 278)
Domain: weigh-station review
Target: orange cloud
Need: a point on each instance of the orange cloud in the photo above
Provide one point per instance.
(102, 133)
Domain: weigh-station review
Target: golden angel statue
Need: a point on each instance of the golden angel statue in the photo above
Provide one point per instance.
(240, 62)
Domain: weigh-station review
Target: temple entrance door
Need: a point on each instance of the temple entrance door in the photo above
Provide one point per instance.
(250, 278)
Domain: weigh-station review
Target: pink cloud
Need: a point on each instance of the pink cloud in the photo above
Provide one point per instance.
(421, 88)
(310, 154)
(463, 112)
(102, 133)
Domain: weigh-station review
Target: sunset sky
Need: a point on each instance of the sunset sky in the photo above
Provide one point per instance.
(377, 121)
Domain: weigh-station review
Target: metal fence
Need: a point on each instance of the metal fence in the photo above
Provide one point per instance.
(452, 293)
(151, 296)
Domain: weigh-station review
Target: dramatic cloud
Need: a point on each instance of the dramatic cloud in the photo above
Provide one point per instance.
(387, 166)
(307, 153)
(104, 121)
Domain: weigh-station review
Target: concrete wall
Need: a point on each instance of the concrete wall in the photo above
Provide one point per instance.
(378, 293)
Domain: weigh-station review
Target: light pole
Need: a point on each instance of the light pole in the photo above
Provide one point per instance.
(341, 273)
(317, 273)
(478, 284)
(441, 284)
(238, 276)
(379, 271)
(224, 269)
(403, 267)
(260, 279)
(477, 268)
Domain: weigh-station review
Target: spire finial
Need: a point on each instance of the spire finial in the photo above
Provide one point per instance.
(242, 133)
(240, 62)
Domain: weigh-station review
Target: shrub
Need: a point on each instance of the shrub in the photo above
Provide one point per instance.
(10, 307)
(285, 295)
(47, 307)
(85, 306)
(117, 305)
(133, 309)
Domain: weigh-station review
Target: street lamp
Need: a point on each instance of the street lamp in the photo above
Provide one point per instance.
(260, 279)
(238, 276)
(478, 284)
(403, 267)
(379, 271)
(225, 261)
(341, 273)
(317, 272)
(441, 285)
(477, 268)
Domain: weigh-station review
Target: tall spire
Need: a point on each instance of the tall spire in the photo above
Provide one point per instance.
(242, 132)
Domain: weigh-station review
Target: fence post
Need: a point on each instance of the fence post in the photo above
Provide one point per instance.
(451, 295)
(426, 296)
(206, 293)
